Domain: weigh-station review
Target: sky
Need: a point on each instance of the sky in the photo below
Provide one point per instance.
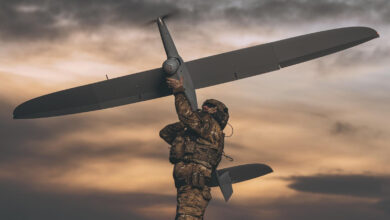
(323, 126)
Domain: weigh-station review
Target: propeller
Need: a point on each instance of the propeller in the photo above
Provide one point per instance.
(168, 15)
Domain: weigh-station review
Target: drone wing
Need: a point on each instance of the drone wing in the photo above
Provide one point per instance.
(268, 57)
(105, 94)
(204, 72)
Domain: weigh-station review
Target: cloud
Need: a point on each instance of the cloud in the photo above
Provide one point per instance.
(300, 207)
(359, 186)
(351, 185)
(21, 201)
(309, 11)
(343, 128)
(43, 20)
(65, 145)
(384, 205)
(70, 154)
(366, 56)
(292, 122)
(354, 131)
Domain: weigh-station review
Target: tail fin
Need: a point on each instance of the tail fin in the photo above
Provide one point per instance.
(225, 184)
(224, 178)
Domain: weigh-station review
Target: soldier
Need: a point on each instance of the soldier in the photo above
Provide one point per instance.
(197, 145)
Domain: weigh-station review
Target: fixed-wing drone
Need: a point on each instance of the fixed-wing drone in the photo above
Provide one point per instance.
(197, 74)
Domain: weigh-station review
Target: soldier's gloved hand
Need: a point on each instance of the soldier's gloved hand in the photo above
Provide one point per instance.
(174, 83)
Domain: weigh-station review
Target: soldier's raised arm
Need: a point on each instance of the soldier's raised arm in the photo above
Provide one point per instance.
(183, 107)
(184, 112)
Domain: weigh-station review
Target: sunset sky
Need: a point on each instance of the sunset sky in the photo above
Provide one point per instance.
(323, 126)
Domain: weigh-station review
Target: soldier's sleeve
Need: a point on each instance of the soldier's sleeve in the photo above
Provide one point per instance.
(186, 115)
(169, 132)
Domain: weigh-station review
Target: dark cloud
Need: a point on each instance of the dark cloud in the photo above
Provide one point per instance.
(340, 128)
(377, 56)
(351, 185)
(302, 208)
(42, 20)
(40, 144)
(24, 143)
(21, 201)
(381, 53)
(27, 201)
(17, 131)
(384, 205)
(69, 156)
(355, 132)
(35, 20)
(309, 11)
(358, 186)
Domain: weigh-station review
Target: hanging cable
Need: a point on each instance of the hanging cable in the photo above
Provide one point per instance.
(229, 158)
(231, 134)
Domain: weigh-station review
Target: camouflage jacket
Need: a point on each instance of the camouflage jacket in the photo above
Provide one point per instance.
(197, 137)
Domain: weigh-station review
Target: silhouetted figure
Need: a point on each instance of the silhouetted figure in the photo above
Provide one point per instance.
(197, 145)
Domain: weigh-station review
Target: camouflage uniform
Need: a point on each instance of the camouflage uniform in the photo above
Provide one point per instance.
(197, 144)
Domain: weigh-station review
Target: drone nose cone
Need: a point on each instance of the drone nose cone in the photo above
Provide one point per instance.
(170, 66)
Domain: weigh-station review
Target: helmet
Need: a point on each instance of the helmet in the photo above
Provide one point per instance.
(222, 114)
